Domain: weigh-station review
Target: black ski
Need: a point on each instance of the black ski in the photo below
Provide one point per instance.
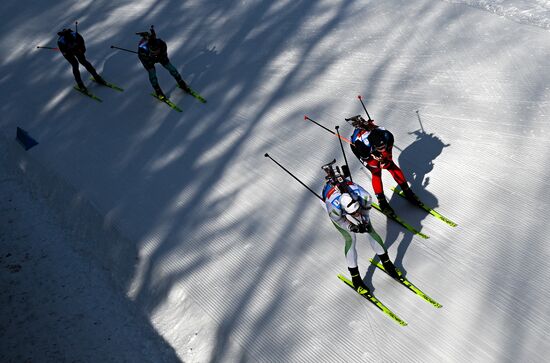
(108, 84)
(194, 94)
(168, 102)
(88, 93)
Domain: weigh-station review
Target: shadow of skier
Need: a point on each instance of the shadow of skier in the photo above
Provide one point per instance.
(416, 162)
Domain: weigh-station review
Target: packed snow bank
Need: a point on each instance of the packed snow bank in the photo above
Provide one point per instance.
(531, 12)
(61, 296)
(90, 232)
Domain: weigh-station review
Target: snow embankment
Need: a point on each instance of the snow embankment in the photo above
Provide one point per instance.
(59, 299)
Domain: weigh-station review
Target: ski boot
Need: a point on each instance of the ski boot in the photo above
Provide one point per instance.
(358, 283)
(159, 93)
(409, 194)
(384, 205)
(389, 266)
(82, 87)
(100, 80)
(184, 86)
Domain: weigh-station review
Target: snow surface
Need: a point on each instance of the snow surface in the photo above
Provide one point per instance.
(196, 245)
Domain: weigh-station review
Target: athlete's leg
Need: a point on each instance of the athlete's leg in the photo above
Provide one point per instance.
(76, 72)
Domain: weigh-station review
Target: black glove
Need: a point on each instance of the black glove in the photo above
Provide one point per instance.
(358, 228)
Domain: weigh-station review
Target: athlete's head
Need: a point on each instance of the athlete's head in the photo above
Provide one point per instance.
(154, 45)
(349, 205)
(377, 139)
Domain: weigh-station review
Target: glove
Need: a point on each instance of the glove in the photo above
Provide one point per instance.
(358, 228)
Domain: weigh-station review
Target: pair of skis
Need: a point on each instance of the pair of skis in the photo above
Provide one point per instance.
(423, 206)
(432, 211)
(117, 88)
(175, 107)
(94, 97)
(403, 281)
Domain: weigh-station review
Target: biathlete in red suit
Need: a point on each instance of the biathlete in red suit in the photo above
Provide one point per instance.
(372, 145)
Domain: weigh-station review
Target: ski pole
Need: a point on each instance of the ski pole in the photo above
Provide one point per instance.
(306, 117)
(420, 121)
(76, 27)
(126, 50)
(361, 99)
(344, 153)
(292, 175)
(52, 48)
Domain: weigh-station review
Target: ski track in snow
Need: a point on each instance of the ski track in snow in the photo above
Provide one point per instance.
(182, 221)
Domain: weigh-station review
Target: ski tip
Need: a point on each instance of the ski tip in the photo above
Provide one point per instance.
(343, 278)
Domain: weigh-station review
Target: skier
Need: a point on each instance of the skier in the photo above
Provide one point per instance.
(372, 145)
(71, 45)
(348, 206)
(153, 50)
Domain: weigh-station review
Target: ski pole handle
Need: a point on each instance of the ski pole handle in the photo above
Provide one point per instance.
(124, 49)
(361, 99)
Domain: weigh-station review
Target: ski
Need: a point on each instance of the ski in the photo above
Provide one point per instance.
(397, 219)
(110, 85)
(168, 102)
(89, 94)
(426, 208)
(194, 94)
(409, 285)
(376, 302)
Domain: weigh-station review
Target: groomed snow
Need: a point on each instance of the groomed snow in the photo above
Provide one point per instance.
(199, 247)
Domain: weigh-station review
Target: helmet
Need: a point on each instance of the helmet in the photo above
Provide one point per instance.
(377, 139)
(154, 46)
(348, 203)
(65, 32)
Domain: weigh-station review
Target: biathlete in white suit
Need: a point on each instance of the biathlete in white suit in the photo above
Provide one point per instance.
(348, 206)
